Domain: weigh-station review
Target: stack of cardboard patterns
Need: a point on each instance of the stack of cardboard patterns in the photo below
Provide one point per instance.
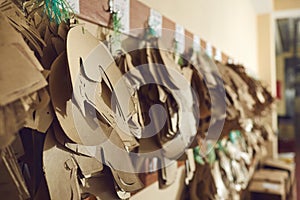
(240, 114)
(237, 154)
(13, 185)
(21, 83)
(276, 180)
(260, 93)
(84, 133)
(72, 140)
(231, 164)
(20, 80)
(156, 85)
(48, 40)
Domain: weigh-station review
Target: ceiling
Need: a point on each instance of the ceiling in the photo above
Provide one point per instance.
(262, 6)
(287, 33)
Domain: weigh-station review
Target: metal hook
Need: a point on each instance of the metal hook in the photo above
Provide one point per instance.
(110, 7)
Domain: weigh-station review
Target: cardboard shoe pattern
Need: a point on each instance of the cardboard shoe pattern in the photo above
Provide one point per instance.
(81, 174)
(174, 136)
(66, 118)
(109, 76)
(82, 62)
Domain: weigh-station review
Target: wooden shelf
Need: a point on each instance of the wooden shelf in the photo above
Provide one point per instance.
(94, 11)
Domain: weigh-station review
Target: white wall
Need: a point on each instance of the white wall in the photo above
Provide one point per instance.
(228, 25)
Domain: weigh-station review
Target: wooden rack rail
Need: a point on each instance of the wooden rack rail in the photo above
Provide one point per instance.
(94, 11)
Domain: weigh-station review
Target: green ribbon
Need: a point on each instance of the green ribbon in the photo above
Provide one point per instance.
(116, 36)
(116, 20)
(57, 10)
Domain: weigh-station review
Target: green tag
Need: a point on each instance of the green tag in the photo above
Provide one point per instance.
(220, 146)
(180, 61)
(212, 154)
(197, 156)
(232, 136)
(155, 23)
(199, 160)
